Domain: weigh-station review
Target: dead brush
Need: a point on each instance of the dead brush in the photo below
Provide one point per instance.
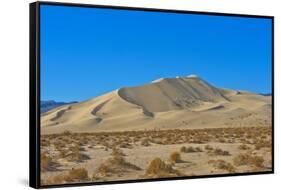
(117, 152)
(157, 140)
(198, 149)
(77, 175)
(219, 152)
(244, 147)
(47, 163)
(183, 149)
(62, 153)
(67, 133)
(102, 171)
(114, 165)
(208, 147)
(75, 155)
(222, 165)
(136, 139)
(158, 168)
(201, 138)
(56, 180)
(222, 140)
(145, 142)
(125, 145)
(190, 149)
(259, 144)
(175, 157)
(45, 142)
(248, 159)
(60, 144)
(74, 175)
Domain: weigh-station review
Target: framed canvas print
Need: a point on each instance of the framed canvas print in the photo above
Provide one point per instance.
(122, 94)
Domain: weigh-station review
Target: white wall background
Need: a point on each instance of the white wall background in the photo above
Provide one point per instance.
(14, 48)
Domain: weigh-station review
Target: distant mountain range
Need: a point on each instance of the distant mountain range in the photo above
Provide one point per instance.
(266, 94)
(50, 104)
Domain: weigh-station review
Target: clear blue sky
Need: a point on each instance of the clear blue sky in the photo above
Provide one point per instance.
(86, 52)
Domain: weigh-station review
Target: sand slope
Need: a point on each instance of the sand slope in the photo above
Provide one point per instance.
(182, 102)
(172, 94)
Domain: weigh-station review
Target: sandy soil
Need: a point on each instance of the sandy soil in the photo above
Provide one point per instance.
(128, 155)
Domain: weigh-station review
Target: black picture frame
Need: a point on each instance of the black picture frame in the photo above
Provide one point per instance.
(34, 93)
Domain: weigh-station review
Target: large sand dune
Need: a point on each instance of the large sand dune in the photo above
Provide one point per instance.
(181, 102)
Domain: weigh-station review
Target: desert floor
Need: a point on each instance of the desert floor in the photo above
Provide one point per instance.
(111, 156)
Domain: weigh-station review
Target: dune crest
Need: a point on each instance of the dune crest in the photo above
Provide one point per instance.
(172, 94)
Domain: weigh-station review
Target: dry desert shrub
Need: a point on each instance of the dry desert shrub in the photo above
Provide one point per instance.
(47, 163)
(62, 153)
(114, 165)
(83, 141)
(45, 142)
(117, 152)
(74, 175)
(158, 168)
(157, 140)
(200, 137)
(183, 149)
(117, 160)
(197, 141)
(198, 149)
(208, 147)
(222, 140)
(59, 179)
(59, 144)
(78, 174)
(103, 170)
(67, 133)
(248, 159)
(75, 154)
(136, 139)
(170, 136)
(219, 152)
(223, 165)
(190, 149)
(244, 147)
(120, 161)
(125, 145)
(175, 157)
(145, 142)
(262, 144)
